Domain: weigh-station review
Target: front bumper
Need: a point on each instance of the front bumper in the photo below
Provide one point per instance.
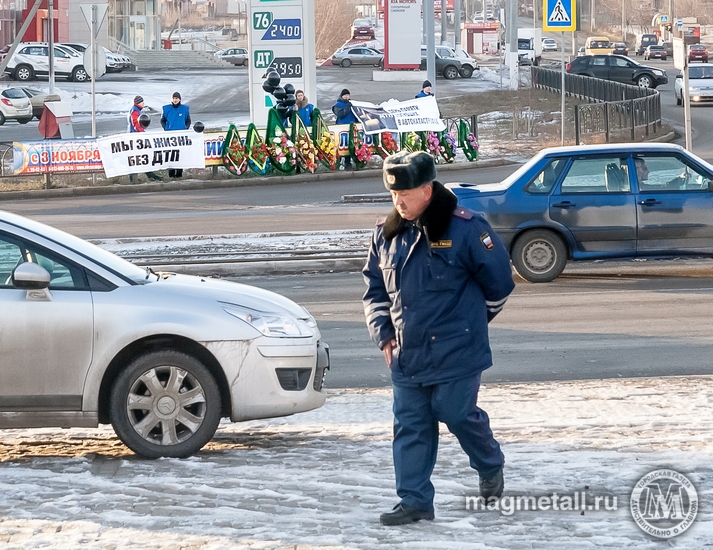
(661, 80)
(272, 377)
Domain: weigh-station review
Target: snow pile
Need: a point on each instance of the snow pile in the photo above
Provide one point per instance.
(320, 479)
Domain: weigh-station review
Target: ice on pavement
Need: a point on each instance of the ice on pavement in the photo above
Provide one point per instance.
(257, 244)
(321, 479)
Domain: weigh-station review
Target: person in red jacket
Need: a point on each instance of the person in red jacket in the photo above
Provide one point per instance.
(135, 126)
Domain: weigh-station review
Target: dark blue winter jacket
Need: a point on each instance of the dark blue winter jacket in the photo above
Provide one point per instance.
(433, 285)
(305, 113)
(343, 111)
(176, 117)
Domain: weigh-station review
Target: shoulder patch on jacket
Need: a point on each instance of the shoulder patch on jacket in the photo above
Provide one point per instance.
(463, 213)
(381, 221)
(487, 241)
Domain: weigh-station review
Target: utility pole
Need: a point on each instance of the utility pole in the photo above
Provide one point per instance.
(444, 31)
(429, 24)
(623, 21)
(50, 42)
(456, 19)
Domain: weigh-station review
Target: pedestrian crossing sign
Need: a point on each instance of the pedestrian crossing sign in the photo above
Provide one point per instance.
(559, 15)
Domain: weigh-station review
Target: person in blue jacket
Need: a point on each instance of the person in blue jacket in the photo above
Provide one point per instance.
(175, 116)
(425, 89)
(304, 108)
(342, 109)
(436, 275)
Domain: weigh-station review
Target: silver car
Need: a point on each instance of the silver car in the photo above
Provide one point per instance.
(357, 56)
(90, 338)
(236, 56)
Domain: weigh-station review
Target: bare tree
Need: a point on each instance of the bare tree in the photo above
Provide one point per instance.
(332, 25)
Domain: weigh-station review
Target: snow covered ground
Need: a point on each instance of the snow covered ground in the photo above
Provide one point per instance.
(321, 479)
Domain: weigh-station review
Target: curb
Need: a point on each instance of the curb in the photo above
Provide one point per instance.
(191, 185)
(283, 267)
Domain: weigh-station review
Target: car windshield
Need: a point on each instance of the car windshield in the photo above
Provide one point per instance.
(362, 23)
(599, 44)
(88, 250)
(698, 47)
(700, 72)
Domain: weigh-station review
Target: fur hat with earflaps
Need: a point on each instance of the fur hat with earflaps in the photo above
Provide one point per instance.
(405, 170)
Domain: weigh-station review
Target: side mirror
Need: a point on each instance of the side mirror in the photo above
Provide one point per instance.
(710, 186)
(679, 75)
(30, 276)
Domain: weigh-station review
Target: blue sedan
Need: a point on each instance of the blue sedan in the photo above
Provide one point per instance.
(598, 202)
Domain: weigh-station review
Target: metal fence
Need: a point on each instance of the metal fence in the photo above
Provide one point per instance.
(452, 124)
(6, 159)
(615, 111)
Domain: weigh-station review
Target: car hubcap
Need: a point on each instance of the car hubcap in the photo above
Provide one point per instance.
(539, 256)
(166, 405)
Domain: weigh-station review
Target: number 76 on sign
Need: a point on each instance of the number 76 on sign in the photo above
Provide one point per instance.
(559, 15)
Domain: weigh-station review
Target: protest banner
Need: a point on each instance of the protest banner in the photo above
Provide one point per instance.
(415, 115)
(135, 153)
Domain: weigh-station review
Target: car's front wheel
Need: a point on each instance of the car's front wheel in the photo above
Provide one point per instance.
(679, 100)
(165, 404)
(450, 72)
(346, 63)
(539, 256)
(645, 81)
(466, 72)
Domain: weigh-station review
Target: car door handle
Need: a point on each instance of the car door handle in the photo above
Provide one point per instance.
(649, 202)
(564, 204)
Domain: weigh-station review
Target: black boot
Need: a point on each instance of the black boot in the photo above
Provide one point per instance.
(403, 514)
(492, 487)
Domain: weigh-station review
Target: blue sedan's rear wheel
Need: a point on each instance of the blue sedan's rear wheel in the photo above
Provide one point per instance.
(539, 256)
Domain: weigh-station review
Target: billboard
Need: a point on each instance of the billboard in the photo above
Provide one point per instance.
(402, 34)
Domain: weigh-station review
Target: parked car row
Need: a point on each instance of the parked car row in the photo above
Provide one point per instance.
(14, 102)
(115, 63)
(32, 59)
(449, 63)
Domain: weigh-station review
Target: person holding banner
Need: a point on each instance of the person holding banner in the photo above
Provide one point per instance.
(176, 116)
(342, 109)
(425, 89)
(135, 125)
(436, 275)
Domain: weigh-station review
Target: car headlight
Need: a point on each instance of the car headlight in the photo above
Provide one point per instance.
(692, 89)
(658, 72)
(273, 324)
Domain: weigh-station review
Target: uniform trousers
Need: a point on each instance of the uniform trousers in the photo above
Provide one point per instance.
(417, 412)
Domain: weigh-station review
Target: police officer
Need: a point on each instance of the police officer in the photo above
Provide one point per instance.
(436, 275)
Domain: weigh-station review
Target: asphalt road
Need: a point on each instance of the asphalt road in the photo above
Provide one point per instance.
(275, 207)
(581, 326)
